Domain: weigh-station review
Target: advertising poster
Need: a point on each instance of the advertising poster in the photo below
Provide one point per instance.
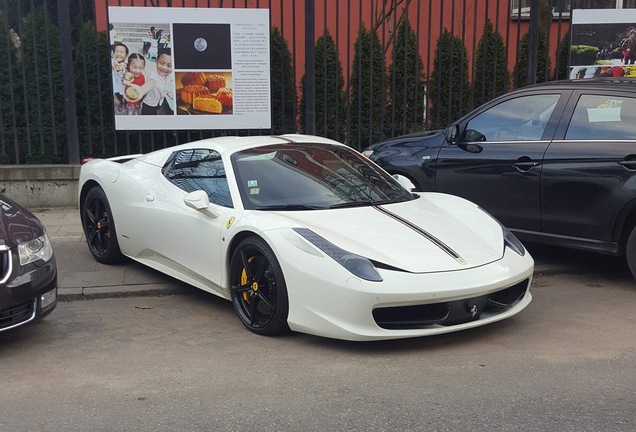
(603, 43)
(190, 68)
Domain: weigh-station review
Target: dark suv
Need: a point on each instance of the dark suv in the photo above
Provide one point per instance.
(554, 162)
(28, 274)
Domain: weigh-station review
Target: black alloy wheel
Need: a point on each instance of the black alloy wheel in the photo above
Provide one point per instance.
(258, 290)
(99, 228)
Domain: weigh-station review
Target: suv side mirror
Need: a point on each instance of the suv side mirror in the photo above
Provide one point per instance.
(474, 136)
(452, 134)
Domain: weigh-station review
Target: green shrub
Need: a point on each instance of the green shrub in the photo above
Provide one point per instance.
(368, 94)
(282, 85)
(448, 88)
(330, 97)
(584, 54)
(491, 71)
(406, 95)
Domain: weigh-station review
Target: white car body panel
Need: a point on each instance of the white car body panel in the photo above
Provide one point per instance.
(156, 228)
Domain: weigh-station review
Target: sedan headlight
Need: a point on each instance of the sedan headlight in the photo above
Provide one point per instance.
(37, 249)
(367, 153)
(356, 264)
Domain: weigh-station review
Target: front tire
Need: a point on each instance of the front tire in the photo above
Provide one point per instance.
(99, 228)
(258, 289)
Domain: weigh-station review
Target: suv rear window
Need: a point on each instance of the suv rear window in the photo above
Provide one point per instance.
(603, 118)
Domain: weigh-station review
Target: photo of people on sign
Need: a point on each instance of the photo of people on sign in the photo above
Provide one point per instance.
(185, 68)
(142, 69)
(603, 43)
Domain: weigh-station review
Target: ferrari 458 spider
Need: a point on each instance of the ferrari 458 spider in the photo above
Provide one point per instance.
(304, 233)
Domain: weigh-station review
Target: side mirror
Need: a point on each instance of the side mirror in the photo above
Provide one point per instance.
(199, 200)
(452, 134)
(474, 136)
(405, 182)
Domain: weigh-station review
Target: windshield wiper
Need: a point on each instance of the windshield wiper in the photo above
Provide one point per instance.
(367, 203)
(352, 204)
(290, 207)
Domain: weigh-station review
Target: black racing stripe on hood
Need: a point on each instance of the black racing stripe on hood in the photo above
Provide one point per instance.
(443, 246)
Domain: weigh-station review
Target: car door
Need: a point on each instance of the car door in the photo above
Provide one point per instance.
(496, 159)
(589, 172)
(186, 238)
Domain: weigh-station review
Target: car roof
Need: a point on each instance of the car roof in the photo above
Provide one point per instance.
(626, 84)
(235, 143)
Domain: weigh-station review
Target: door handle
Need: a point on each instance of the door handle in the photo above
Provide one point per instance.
(628, 164)
(525, 163)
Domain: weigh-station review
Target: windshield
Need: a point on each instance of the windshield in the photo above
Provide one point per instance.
(311, 176)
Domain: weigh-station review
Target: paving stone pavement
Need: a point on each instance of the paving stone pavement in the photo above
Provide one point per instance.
(81, 277)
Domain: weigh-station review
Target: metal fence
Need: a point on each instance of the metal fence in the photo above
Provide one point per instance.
(358, 71)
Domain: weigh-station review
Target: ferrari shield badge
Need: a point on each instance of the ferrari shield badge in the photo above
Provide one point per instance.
(229, 222)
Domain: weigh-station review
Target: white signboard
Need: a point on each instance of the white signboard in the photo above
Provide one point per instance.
(190, 68)
(603, 43)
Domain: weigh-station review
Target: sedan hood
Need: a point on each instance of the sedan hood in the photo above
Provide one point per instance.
(17, 224)
(436, 232)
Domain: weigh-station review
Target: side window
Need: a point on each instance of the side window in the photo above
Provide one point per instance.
(199, 169)
(521, 119)
(602, 117)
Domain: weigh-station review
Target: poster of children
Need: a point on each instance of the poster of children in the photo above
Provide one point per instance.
(190, 68)
(143, 81)
(603, 43)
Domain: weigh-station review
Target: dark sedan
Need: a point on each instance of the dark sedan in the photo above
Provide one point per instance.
(28, 274)
(555, 162)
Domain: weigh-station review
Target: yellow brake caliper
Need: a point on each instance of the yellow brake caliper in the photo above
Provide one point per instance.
(246, 296)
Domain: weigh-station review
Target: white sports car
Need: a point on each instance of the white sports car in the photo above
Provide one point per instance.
(304, 233)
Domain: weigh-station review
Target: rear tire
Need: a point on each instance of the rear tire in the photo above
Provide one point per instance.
(99, 228)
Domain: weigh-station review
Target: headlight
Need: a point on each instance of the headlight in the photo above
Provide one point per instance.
(509, 238)
(359, 266)
(37, 249)
(513, 242)
(367, 153)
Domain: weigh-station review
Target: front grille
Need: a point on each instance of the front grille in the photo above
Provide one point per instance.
(449, 313)
(16, 315)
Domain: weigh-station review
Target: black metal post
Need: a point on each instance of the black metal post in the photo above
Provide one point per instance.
(64, 17)
(310, 68)
(533, 42)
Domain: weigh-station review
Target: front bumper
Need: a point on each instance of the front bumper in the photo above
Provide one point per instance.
(326, 300)
(28, 293)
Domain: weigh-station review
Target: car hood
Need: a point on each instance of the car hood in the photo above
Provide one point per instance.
(436, 232)
(17, 224)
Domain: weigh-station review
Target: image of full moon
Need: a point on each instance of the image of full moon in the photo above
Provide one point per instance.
(200, 44)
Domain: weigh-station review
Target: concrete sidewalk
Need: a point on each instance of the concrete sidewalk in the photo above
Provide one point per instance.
(81, 277)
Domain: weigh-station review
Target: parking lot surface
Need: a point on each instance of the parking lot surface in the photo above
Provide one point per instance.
(184, 362)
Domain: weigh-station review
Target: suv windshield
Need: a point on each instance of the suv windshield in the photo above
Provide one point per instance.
(311, 176)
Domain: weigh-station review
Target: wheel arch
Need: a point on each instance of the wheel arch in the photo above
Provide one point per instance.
(87, 186)
(236, 240)
(625, 223)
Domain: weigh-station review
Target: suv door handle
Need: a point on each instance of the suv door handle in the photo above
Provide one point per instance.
(524, 163)
(628, 163)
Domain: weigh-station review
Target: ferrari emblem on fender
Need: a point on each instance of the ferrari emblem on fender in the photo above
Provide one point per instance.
(473, 311)
(229, 222)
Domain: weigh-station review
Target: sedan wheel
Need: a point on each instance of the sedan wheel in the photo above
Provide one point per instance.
(99, 228)
(258, 288)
